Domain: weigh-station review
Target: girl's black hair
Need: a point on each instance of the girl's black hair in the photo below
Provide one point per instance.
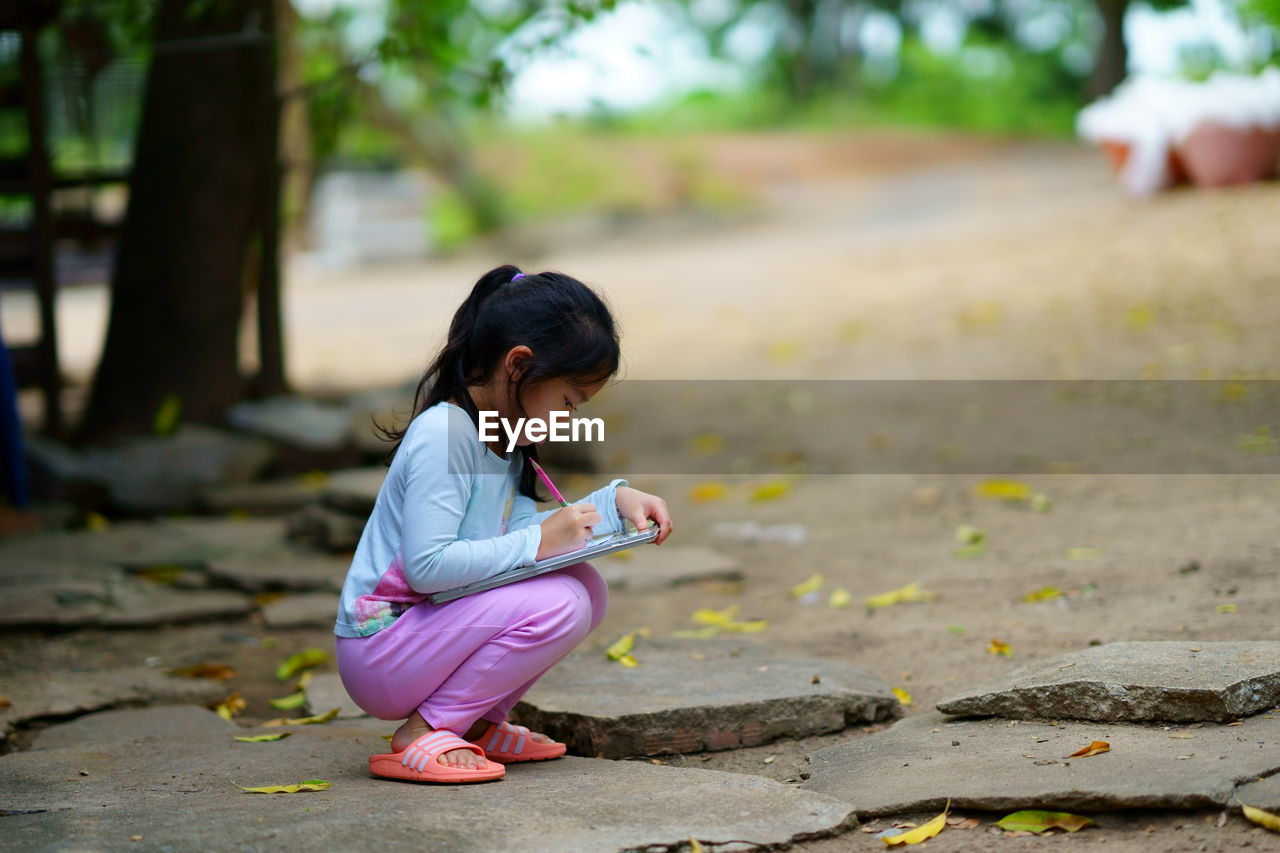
(565, 323)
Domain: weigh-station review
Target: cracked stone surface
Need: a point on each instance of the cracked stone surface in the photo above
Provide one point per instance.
(1165, 680)
(72, 795)
(690, 696)
(35, 696)
(996, 765)
(1261, 794)
(666, 566)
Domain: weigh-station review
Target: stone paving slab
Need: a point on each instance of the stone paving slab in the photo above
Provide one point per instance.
(1261, 794)
(1173, 681)
(354, 490)
(266, 497)
(667, 566)
(132, 724)
(34, 696)
(238, 536)
(694, 695)
(39, 595)
(302, 610)
(136, 544)
(301, 571)
(174, 791)
(325, 691)
(996, 765)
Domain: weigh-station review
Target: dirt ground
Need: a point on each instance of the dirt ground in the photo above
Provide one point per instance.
(1012, 261)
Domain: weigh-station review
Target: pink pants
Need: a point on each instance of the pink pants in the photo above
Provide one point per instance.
(474, 657)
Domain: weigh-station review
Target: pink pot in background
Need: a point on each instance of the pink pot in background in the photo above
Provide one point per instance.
(1216, 155)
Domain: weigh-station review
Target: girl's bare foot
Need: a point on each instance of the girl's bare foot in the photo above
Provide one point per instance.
(415, 727)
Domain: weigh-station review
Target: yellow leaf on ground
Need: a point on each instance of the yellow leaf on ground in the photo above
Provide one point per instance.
(290, 702)
(308, 785)
(1261, 818)
(840, 597)
(620, 649)
(707, 443)
(973, 542)
(920, 833)
(1044, 593)
(770, 491)
(998, 647)
(813, 584)
(264, 738)
(160, 574)
(96, 522)
(1225, 608)
(205, 670)
(909, 594)
(711, 491)
(304, 659)
(1083, 553)
(229, 707)
(904, 697)
(1033, 820)
(1040, 502)
(782, 351)
(695, 846)
(707, 616)
(1096, 748)
(750, 627)
(314, 481)
(1008, 490)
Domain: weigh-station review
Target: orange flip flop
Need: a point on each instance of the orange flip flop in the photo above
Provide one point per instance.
(418, 761)
(510, 744)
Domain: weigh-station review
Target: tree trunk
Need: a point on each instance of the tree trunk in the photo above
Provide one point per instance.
(200, 179)
(1113, 55)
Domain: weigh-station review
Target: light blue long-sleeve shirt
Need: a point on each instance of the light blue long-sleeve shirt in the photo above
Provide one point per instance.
(448, 513)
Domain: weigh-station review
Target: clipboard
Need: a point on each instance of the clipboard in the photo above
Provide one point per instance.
(598, 547)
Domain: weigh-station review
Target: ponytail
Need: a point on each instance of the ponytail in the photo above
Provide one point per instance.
(565, 323)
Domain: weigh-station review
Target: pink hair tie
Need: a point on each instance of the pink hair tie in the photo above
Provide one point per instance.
(517, 275)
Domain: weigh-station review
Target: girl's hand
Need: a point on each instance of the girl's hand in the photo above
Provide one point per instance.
(638, 507)
(567, 529)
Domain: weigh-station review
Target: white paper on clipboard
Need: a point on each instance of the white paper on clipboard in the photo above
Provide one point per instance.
(598, 547)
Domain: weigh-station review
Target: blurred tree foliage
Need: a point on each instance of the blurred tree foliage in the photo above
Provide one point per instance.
(201, 230)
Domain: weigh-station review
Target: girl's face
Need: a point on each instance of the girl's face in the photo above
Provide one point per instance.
(555, 395)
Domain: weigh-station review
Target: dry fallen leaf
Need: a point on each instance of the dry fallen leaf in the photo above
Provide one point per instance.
(920, 833)
(999, 647)
(1036, 821)
(813, 584)
(264, 738)
(1095, 748)
(304, 659)
(1008, 490)
(1044, 593)
(704, 492)
(973, 542)
(903, 696)
(1262, 819)
(840, 598)
(770, 491)
(909, 594)
(620, 650)
(205, 670)
(290, 702)
(308, 785)
(1225, 608)
(230, 706)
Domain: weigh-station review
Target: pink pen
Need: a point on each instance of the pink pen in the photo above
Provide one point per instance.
(547, 480)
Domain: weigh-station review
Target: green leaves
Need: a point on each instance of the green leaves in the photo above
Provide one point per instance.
(1036, 821)
(304, 659)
